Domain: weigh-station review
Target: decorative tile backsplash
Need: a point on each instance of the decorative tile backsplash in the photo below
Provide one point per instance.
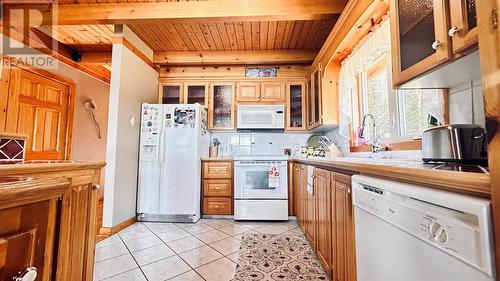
(12, 149)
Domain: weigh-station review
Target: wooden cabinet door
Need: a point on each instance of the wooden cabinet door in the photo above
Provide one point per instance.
(463, 30)
(310, 215)
(27, 234)
(221, 109)
(344, 261)
(299, 179)
(323, 219)
(171, 93)
(316, 99)
(196, 92)
(272, 92)
(296, 106)
(39, 108)
(248, 92)
(420, 40)
(309, 103)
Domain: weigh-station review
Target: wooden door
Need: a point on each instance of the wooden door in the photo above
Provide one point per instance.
(272, 92)
(248, 92)
(310, 215)
(296, 106)
(323, 220)
(344, 262)
(463, 30)
(299, 189)
(39, 107)
(420, 40)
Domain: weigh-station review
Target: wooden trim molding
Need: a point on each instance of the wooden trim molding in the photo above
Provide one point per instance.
(136, 51)
(393, 146)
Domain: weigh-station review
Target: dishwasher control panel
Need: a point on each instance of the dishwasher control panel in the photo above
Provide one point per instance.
(461, 232)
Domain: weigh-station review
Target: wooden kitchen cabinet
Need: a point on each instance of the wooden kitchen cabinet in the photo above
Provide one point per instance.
(196, 92)
(248, 92)
(296, 106)
(463, 27)
(217, 192)
(299, 190)
(420, 40)
(221, 111)
(343, 250)
(272, 92)
(171, 93)
(323, 221)
(28, 229)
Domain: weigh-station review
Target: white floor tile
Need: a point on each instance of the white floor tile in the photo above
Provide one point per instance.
(200, 256)
(142, 243)
(198, 228)
(156, 227)
(227, 246)
(211, 236)
(233, 229)
(217, 222)
(110, 251)
(137, 230)
(133, 275)
(172, 235)
(113, 266)
(152, 254)
(165, 269)
(220, 270)
(234, 257)
(188, 276)
(185, 244)
(269, 229)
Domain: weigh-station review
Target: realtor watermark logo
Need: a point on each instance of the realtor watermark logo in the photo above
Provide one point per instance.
(27, 34)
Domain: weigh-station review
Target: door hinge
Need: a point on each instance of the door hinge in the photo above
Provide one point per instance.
(494, 18)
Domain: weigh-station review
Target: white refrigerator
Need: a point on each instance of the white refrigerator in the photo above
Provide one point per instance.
(173, 139)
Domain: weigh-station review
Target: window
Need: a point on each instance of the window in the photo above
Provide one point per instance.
(418, 108)
(376, 98)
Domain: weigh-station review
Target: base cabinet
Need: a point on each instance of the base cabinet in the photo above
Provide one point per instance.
(326, 218)
(217, 187)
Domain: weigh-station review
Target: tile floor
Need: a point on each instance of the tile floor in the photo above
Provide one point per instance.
(207, 250)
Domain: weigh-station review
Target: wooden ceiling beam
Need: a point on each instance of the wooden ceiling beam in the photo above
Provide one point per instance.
(235, 57)
(95, 58)
(161, 12)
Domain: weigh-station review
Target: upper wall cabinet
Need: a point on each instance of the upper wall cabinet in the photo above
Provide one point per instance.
(196, 92)
(221, 111)
(171, 93)
(296, 106)
(420, 37)
(314, 100)
(248, 92)
(260, 92)
(463, 30)
(272, 92)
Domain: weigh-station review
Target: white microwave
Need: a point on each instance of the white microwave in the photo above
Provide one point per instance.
(254, 117)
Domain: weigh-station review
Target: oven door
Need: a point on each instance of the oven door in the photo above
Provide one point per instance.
(252, 180)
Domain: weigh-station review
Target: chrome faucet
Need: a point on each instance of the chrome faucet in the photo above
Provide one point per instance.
(376, 147)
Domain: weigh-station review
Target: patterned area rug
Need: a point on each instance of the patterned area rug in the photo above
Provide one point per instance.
(277, 257)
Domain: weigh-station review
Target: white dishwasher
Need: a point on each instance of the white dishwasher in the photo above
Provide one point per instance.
(412, 233)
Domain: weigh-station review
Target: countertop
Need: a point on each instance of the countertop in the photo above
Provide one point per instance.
(216, 159)
(48, 165)
(477, 184)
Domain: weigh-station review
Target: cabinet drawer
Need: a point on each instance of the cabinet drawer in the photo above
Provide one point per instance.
(217, 188)
(217, 170)
(217, 206)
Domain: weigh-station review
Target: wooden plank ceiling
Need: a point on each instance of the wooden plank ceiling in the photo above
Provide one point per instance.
(235, 36)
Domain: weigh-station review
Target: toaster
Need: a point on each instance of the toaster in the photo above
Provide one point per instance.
(460, 143)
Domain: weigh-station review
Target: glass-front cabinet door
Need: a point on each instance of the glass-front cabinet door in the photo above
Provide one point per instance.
(463, 30)
(221, 111)
(296, 104)
(309, 103)
(420, 38)
(196, 92)
(171, 93)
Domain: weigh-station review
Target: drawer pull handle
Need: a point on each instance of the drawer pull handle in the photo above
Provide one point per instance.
(217, 188)
(216, 206)
(218, 170)
(96, 186)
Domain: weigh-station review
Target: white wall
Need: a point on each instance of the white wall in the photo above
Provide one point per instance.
(132, 83)
(466, 104)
